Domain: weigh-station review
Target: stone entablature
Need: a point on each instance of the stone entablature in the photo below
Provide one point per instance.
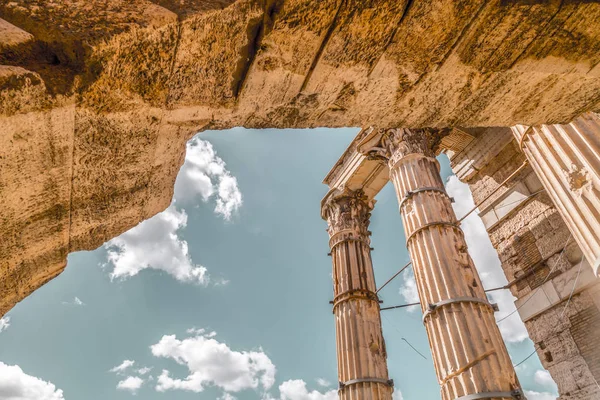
(484, 145)
(356, 171)
(556, 290)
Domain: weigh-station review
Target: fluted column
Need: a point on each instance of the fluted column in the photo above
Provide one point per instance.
(566, 158)
(362, 358)
(468, 352)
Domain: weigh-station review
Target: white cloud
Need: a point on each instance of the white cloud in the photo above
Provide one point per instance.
(75, 302)
(201, 331)
(205, 175)
(4, 323)
(195, 331)
(122, 367)
(230, 198)
(17, 385)
(131, 384)
(155, 244)
(397, 395)
(408, 290)
(296, 390)
(487, 262)
(212, 363)
(144, 370)
(323, 382)
(531, 395)
(543, 378)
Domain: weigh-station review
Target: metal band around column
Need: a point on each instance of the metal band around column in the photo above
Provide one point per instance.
(433, 307)
(439, 223)
(515, 394)
(387, 382)
(411, 193)
(354, 294)
(337, 242)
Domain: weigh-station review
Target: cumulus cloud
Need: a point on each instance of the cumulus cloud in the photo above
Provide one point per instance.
(75, 302)
(230, 198)
(543, 378)
(17, 385)
(487, 262)
(155, 244)
(130, 384)
(122, 367)
(4, 323)
(212, 363)
(296, 390)
(531, 395)
(408, 290)
(397, 395)
(204, 175)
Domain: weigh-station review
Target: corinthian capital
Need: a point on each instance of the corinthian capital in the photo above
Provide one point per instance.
(347, 211)
(390, 145)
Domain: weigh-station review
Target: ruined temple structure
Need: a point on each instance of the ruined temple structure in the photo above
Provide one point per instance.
(98, 98)
(537, 189)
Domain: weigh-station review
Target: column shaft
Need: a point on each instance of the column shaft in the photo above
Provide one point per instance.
(566, 158)
(362, 358)
(468, 352)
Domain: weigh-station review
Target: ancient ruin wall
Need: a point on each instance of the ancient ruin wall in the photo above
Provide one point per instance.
(530, 236)
(96, 107)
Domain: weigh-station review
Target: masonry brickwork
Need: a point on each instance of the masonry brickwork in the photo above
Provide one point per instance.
(540, 259)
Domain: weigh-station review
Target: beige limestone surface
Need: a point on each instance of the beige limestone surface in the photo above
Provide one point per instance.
(361, 351)
(97, 104)
(557, 292)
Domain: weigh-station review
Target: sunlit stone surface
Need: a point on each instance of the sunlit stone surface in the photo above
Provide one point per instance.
(362, 364)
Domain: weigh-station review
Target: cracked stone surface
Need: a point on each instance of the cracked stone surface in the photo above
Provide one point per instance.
(96, 107)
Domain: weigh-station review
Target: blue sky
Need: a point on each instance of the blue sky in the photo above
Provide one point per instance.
(225, 295)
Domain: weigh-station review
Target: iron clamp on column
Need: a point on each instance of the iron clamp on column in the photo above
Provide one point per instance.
(411, 193)
(435, 306)
(387, 382)
(516, 394)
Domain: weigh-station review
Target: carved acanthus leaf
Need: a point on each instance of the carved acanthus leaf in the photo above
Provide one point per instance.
(391, 145)
(348, 211)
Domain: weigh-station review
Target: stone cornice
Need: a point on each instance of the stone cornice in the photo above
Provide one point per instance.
(355, 171)
(346, 157)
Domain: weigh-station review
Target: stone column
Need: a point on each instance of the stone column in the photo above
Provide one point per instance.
(362, 364)
(566, 158)
(468, 352)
